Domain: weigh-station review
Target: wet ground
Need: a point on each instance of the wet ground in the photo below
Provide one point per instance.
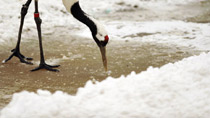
(80, 58)
(80, 61)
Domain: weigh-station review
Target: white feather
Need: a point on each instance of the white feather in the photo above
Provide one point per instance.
(101, 32)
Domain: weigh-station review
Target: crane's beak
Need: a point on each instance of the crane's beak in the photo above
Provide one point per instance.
(103, 54)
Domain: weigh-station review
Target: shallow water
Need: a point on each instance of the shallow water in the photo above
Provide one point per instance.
(80, 61)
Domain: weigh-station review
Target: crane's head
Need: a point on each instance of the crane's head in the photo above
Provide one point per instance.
(98, 31)
(101, 38)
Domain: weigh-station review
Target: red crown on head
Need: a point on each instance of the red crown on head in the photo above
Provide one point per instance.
(106, 38)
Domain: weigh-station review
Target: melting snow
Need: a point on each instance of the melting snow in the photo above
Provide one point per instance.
(175, 90)
(179, 90)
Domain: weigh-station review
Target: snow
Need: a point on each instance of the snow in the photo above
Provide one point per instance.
(167, 32)
(170, 32)
(179, 90)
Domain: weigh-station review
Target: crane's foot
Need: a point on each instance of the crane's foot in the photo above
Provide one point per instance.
(21, 57)
(47, 67)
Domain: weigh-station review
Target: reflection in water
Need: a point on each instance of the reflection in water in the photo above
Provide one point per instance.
(80, 61)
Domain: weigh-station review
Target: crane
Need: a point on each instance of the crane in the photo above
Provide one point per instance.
(99, 33)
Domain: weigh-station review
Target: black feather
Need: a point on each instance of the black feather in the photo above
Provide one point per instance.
(80, 15)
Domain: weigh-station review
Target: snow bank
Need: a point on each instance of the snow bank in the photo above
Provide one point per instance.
(179, 90)
(175, 90)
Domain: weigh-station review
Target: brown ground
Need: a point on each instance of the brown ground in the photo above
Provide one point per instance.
(82, 62)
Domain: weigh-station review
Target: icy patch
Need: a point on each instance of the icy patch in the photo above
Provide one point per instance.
(179, 90)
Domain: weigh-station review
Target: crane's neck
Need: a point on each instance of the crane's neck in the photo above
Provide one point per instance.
(80, 15)
(68, 4)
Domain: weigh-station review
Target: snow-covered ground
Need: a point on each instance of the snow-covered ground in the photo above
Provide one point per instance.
(55, 15)
(172, 32)
(174, 90)
(179, 90)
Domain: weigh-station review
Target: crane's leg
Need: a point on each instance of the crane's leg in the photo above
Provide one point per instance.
(16, 51)
(42, 64)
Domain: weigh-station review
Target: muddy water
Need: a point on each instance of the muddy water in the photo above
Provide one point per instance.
(80, 61)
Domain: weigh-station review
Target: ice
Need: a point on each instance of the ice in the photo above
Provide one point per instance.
(175, 90)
